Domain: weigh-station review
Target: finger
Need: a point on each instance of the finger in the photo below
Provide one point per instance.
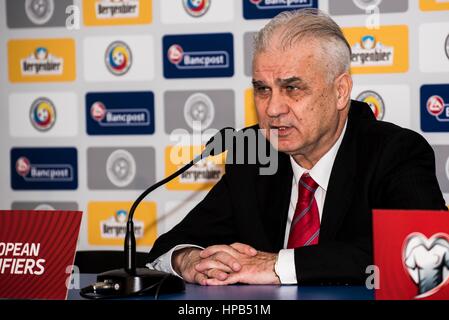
(244, 248)
(215, 282)
(209, 251)
(207, 264)
(228, 260)
(217, 274)
(200, 278)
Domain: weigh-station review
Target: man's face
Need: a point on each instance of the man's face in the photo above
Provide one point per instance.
(294, 98)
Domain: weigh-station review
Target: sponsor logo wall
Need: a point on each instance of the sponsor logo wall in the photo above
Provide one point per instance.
(93, 115)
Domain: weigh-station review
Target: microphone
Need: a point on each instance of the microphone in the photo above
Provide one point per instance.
(139, 281)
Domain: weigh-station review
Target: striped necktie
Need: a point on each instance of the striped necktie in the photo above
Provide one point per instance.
(305, 227)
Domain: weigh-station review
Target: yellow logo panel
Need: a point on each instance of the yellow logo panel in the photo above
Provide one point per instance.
(250, 109)
(202, 176)
(117, 12)
(378, 51)
(107, 223)
(41, 60)
(433, 5)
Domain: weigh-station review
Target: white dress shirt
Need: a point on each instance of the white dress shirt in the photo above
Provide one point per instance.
(320, 173)
(285, 264)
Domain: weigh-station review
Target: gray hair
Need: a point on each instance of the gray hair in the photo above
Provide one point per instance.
(312, 24)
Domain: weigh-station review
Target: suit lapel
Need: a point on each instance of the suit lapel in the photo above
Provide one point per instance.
(341, 184)
(273, 197)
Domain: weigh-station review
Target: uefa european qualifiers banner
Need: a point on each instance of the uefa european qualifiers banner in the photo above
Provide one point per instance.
(198, 55)
(267, 9)
(110, 113)
(44, 169)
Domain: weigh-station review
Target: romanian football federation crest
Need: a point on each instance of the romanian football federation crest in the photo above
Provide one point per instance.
(42, 114)
(196, 8)
(118, 58)
(375, 101)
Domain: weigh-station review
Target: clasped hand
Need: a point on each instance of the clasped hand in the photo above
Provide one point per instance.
(226, 264)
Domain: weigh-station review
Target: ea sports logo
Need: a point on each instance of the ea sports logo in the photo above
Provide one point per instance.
(199, 110)
(118, 58)
(175, 54)
(39, 11)
(196, 8)
(42, 114)
(435, 105)
(121, 168)
(366, 4)
(98, 111)
(23, 166)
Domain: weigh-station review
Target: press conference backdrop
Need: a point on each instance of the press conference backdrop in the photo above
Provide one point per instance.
(91, 92)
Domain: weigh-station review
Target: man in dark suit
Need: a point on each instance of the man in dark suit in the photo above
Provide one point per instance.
(311, 221)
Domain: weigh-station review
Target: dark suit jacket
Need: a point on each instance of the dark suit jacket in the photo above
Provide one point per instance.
(378, 165)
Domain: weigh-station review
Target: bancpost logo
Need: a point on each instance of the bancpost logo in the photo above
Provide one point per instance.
(110, 113)
(197, 56)
(107, 223)
(42, 114)
(44, 168)
(266, 9)
(435, 108)
(196, 8)
(117, 12)
(434, 5)
(378, 51)
(41, 60)
(202, 176)
(375, 101)
(250, 108)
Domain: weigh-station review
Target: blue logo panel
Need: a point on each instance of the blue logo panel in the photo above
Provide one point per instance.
(44, 169)
(111, 113)
(267, 9)
(435, 108)
(198, 55)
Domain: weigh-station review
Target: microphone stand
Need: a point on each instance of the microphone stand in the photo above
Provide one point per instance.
(131, 280)
(138, 281)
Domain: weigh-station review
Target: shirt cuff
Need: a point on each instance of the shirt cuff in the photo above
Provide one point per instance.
(285, 266)
(163, 263)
